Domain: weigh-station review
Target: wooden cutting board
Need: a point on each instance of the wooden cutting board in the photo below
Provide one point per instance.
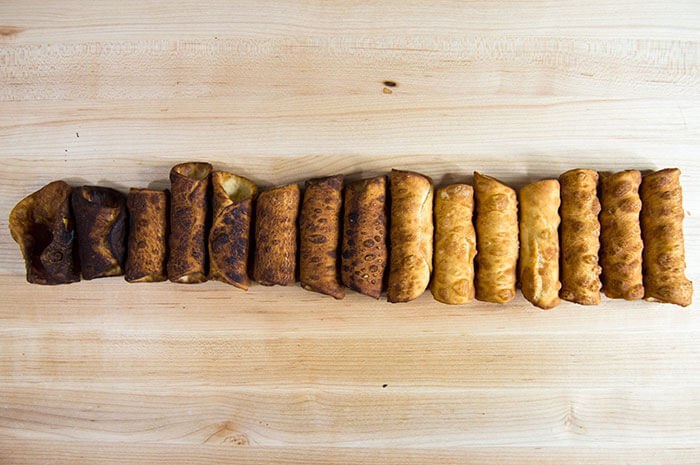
(115, 93)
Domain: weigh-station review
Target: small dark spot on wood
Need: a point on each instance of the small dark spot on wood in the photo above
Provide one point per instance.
(77, 135)
(390, 83)
(384, 385)
(66, 150)
(10, 30)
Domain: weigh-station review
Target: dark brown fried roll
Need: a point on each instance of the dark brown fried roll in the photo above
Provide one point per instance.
(188, 221)
(364, 253)
(229, 239)
(411, 257)
(276, 216)
(662, 229)
(580, 232)
(319, 228)
(42, 225)
(148, 233)
(100, 222)
(621, 235)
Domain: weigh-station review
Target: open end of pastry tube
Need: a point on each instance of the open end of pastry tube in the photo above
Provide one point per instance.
(238, 188)
(196, 171)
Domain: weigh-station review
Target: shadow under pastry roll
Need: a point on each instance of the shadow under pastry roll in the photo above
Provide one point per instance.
(364, 250)
(319, 230)
(580, 237)
(455, 245)
(539, 243)
(187, 263)
(276, 215)
(662, 230)
(229, 239)
(621, 235)
(148, 233)
(42, 226)
(101, 225)
(411, 235)
(496, 239)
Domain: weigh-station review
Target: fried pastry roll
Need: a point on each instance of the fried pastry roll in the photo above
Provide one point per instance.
(276, 216)
(411, 235)
(101, 226)
(187, 262)
(621, 236)
(580, 237)
(364, 251)
(42, 226)
(148, 233)
(539, 243)
(662, 230)
(496, 239)
(319, 228)
(229, 239)
(455, 245)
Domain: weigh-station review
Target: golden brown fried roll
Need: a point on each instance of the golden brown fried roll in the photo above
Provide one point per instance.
(276, 236)
(580, 237)
(42, 225)
(148, 233)
(539, 243)
(497, 239)
(319, 228)
(188, 220)
(662, 230)
(621, 236)
(364, 253)
(455, 245)
(229, 239)
(411, 255)
(100, 223)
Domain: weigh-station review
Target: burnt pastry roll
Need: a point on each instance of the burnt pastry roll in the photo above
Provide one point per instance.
(496, 239)
(319, 230)
(229, 239)
(411, 235)
(364, 251)
(101, 226)
(455, 245)
(662, 230)
(42, 226)
(148, 235)
(187, 262)
(539, 243)
(621, 236)
(276, 216)
(580, 237)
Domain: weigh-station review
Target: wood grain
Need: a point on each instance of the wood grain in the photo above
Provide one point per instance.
(107, 372)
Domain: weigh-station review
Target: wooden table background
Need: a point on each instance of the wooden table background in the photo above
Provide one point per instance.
(114, 93)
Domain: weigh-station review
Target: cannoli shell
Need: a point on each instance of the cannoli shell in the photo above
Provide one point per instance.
(455, 245)
(539, 243)
(276, 217)
(411, 254)
(101, 225)
(364, 251)
(496, 227)
(148, 235)
(187, 262)
(620, 236)
(662, 230)
(319, 230)
(229, 239)
(580, 237)
(42, 225)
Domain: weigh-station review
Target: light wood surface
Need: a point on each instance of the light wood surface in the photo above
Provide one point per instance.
(114, 93)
